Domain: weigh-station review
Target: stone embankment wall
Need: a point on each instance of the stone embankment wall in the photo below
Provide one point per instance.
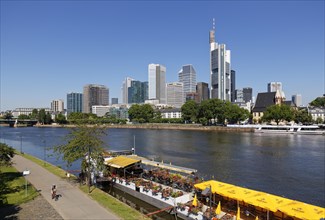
(193, 127)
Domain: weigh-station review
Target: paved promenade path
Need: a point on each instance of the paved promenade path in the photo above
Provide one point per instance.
(74, 204)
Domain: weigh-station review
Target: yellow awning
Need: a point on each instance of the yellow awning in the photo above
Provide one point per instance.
(264, 200)
(302, 210)
(121, 162)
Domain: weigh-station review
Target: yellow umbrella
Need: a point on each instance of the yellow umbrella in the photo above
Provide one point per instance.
(194, 203)
(218, 209)
(238, 213)
(256, 218)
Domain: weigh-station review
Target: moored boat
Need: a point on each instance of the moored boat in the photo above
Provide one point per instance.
(290, 129)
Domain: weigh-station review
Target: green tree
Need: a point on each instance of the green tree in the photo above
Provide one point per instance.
(319, 120)
(141, 113)
(234, 114)
(80, 141)
(23, 117)
(60, 119)
(190, 111)
(41, 116)
(302, 116)
(6, 154)
(34, 114)
(318, 102)
(278, 113)
(8, 115)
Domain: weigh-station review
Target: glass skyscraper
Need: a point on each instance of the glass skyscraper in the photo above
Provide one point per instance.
(187, 76)
(220, 69)
(137, 92)
(157, 82)
(74, 102)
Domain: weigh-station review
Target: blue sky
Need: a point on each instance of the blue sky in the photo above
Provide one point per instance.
(51, 48)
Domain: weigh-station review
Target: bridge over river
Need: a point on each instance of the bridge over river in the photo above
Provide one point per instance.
(19, 122)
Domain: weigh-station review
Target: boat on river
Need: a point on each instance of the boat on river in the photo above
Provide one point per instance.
(290, 129)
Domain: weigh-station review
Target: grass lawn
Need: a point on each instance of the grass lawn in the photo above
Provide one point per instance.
(14, 191)
(113, 204)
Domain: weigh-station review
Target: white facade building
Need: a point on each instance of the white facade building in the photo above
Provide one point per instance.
(171, 113)
(100, 110)
(125, 89)
(27, 111)
(175, 94)
(157, 82)
(57, 105)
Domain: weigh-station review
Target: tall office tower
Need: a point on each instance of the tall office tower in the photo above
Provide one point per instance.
(187, 76)
(138, 92)
(157, 82)
(94, 95)
(57, 105)
(175, 94)
(74, 102)
(297, 99)
(276, 87)
(239, 95)
(114, 101)
(202, 90)
(233, 85)
(247, 94)
(125, 89)
(273, 86)
(220, 75)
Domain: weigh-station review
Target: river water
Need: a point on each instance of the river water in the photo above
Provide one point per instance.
(292, 166)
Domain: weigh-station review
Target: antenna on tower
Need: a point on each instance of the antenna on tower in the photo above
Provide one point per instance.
(213, 24)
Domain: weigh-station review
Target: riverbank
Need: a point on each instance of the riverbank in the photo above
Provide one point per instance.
(192, 127)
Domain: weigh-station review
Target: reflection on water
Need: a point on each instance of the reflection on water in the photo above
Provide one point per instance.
(285, 165)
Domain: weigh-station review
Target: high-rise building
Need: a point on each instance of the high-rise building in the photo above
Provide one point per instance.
(57, 105)
(137, 92)
(157, 82)
(175, 94)
(273, 86)
(74, 102)
(94, 95)
(220, 69)
(233, 85)
(114, 101)
(202, 90)
(187, 76)
(297, 99)
(276, 87)
(125, 89)
(247, 94)
(239, 95)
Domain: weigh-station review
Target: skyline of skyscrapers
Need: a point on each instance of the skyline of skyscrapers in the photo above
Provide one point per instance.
(94, 95)
(220, 69)
(157, 82)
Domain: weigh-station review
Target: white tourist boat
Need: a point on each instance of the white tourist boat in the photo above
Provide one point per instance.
(290, 129)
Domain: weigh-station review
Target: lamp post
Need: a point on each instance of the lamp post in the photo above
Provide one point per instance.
(21, 144)
(44, 141)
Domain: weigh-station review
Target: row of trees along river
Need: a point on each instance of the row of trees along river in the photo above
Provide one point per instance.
(208, 112)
